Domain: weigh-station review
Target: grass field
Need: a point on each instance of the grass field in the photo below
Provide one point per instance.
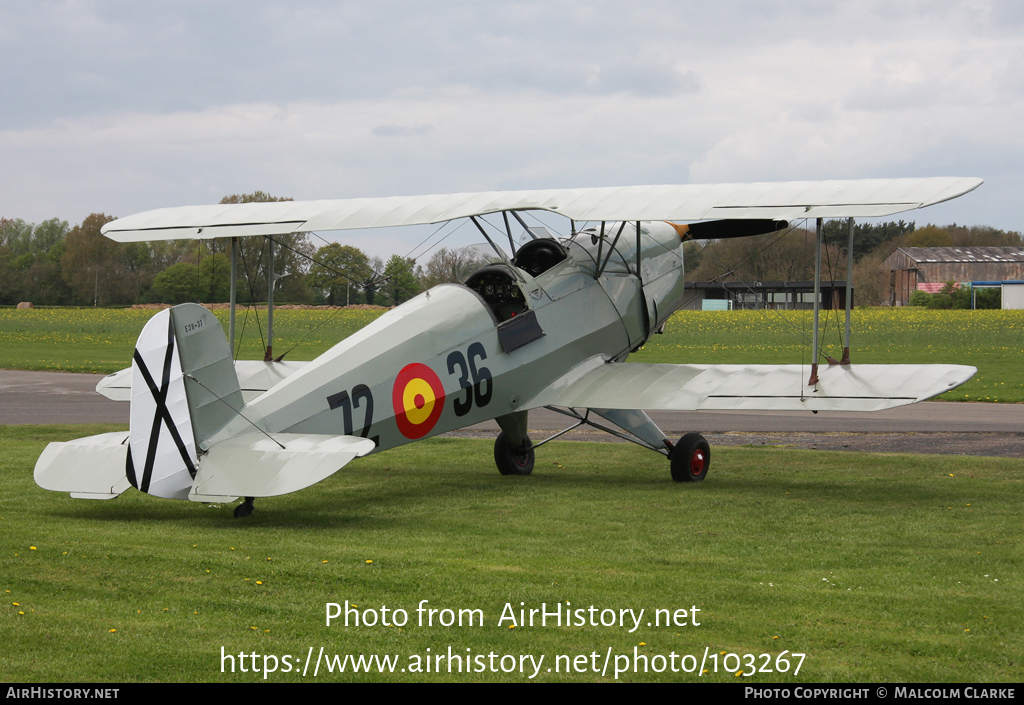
(877, 567)
(102, 340)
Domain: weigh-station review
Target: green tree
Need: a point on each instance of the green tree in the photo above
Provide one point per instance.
(47, 235)
(178, 283)
(339, 271)
(929, 236)
(450, 265)
(920, 298)
(982, 236)
(15, 236)
(210, 282)
(30, 262)
(988, 297)
(372, 283)
(867, 237)
(254, 197)
(952, 295)
(292, 255)
(399, 279)
(95, 267)
(785, 256)
(693, 255)
(43, 282)
(215, 278)
(8, 275)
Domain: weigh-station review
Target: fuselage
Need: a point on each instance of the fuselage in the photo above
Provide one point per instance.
(458, 354)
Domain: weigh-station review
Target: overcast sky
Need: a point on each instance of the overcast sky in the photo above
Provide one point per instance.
(120, 107)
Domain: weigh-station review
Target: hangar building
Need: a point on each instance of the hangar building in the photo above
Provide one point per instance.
(910, 266)
(762, 295)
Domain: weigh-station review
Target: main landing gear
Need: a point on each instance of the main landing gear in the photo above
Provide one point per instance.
(245, 508)
(690, 458)
(513, 459)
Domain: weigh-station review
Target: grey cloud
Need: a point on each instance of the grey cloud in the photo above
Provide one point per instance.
(684, 75)
(895, 95)
(642, 78)
(1011, 76)
(143, 57)
(401, 130)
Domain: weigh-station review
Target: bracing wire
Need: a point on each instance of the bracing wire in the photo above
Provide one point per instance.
(252, 298)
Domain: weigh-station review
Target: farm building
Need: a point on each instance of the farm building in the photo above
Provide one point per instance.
(762, 295)
(910, 266)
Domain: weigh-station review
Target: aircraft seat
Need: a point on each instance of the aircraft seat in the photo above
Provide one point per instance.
(538, 256)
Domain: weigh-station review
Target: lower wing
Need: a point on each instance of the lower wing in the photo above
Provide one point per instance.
(665, 387)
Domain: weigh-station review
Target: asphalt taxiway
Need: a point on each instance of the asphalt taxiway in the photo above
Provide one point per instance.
(928, 427)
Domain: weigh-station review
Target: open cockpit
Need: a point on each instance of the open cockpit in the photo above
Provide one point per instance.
(497, 286)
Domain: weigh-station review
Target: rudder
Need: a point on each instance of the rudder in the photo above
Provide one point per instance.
(184, 389)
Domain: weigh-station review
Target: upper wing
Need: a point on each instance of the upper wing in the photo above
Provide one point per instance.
(785, 200)
(636, 385)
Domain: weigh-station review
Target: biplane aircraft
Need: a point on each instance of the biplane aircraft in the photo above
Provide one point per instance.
(547, 324)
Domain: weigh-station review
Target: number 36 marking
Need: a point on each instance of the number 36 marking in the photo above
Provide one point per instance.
(471, 378)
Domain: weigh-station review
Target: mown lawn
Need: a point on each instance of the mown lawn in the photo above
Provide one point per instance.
(877, 567)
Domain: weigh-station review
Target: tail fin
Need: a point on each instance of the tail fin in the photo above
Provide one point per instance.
(184, 389)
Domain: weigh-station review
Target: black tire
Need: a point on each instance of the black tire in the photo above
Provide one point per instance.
(691, 458)
(513, 460)
(244, 509)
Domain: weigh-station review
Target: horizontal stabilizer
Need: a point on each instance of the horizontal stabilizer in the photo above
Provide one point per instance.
(253, 465)
(635, 385)
(254, 378)
(89, 468)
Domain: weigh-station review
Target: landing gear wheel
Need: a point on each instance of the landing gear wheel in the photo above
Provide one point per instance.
(691, 458)
(513, 460)
(245, 508)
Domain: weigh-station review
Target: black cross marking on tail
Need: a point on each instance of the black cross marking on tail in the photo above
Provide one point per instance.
(162, 415)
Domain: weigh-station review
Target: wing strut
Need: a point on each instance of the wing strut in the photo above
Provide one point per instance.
(504, 258)
(234, 293)
(508, 230)
(849, 295)
(269, 356)
(816, 352)
(601, 265)
(817, 305)
(525, 227)
(639, 276)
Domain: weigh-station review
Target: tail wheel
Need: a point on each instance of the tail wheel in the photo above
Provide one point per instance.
(512, 459)
(691, 458)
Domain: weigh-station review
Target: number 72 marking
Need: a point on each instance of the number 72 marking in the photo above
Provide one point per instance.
(359, 392)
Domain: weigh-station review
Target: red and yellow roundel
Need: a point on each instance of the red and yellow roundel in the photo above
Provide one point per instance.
(418, 398)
